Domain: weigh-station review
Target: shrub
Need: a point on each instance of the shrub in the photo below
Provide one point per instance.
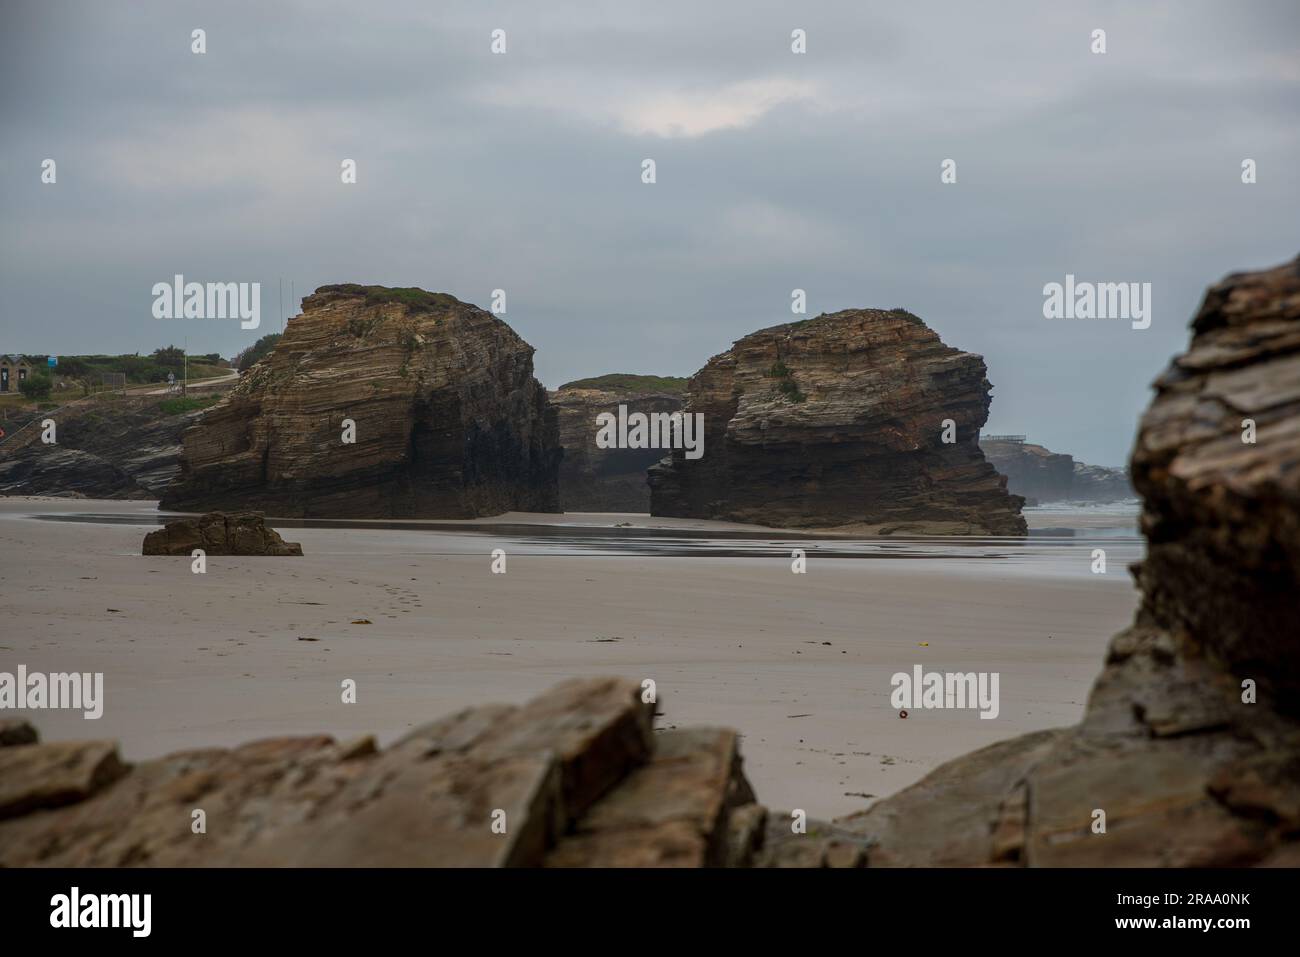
(791, 391)
(171, 357)
(786, 386)
(36, 387)
(258, 350)
(909, 316)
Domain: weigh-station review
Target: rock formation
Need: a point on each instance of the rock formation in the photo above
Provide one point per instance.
(65, 473)
(1101, 483)
(448, 419)
(217, 533)
(839, 420)
(1031, 470)
(579, 775)
(1190, 744)
(1040, 475)
(113, 447)
(593, 479)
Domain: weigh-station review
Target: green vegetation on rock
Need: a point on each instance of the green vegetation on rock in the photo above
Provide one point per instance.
(186, 404)
(257, 351)
(785, 384)
(419, 299)
(629, 382)
(909, 316)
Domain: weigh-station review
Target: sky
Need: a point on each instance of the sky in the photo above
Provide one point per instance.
(775, 171)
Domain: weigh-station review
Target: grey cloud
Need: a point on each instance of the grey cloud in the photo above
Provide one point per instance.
(522, 172)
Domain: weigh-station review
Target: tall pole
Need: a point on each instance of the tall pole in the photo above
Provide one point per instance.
(185, 385)
(292, 297)
(282, 303)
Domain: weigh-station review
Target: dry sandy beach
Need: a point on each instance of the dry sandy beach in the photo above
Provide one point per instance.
(800, 664)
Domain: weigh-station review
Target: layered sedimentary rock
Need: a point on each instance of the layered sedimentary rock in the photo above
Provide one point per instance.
(594, 479)
(123, 448)
(243, 533)
(65, 473)
(1190, 745)
(1040, 475)
(840, 420)
(380, 403)
(574, 778)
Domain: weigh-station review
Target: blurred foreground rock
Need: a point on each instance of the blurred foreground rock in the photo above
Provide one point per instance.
(574, 778)
(239, 533)
(1190, 744)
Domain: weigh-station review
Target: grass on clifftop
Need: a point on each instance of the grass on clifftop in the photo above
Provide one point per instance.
(629, 382)
(410, 296)
(898, 311)
(186, 404)
(909, 316)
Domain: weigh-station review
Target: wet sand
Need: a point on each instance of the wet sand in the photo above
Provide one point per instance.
(800, 664)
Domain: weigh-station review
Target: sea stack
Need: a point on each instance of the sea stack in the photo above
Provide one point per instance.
(379, 403)
(842, 420)
(595, 479)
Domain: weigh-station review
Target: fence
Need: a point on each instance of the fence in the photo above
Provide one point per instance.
(112, 382)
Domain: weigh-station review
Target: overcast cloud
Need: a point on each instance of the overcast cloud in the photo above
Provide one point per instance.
(775, 171)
